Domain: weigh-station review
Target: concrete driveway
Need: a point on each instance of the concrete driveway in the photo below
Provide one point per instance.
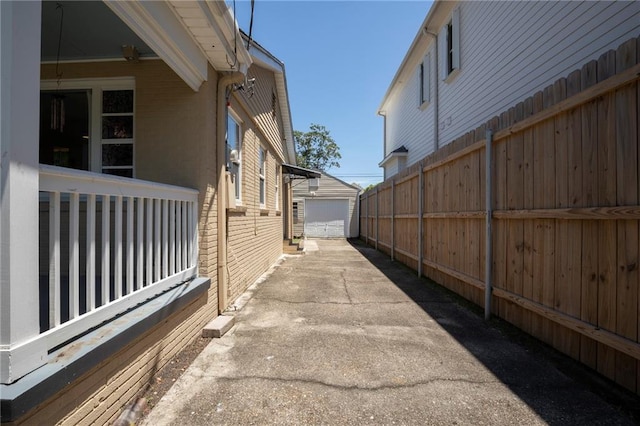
(343, 335)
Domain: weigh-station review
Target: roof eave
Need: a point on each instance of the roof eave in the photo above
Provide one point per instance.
(427, 25)
(386, 159)
(266, 59)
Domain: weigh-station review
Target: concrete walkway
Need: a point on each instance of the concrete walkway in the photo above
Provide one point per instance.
(344, 336)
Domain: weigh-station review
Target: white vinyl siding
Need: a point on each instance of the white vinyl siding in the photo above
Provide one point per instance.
(408, 125)
(538, 43)
(508, 52)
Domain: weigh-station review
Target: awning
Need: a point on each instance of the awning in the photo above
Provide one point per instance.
(300, 171)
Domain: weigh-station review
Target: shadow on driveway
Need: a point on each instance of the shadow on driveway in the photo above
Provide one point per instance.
(557, 388)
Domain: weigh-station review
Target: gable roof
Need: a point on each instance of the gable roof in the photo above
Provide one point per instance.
(265, 59)
(343, 182)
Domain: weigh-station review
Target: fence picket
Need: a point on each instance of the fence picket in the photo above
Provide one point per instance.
(627, 194)
(566, 203)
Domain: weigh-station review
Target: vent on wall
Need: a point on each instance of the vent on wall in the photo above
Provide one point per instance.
(314, 184)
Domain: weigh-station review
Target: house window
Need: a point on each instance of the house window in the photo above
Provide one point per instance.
(449, 46)
(277, 191)
(234, 153)
(423, 76)
(117, 132)
(295, 212)
(262, 162)
(89, 124)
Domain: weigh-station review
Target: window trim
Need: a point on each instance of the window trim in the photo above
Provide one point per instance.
(231, 114)
(449, 47)
(262, 176)
(424, 82)
(276, 201)
(96, 86)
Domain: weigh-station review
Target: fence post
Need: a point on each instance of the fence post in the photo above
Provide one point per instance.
(393, 217)
(420, 219)
(488, 219)
(366, 220)
(377, 215)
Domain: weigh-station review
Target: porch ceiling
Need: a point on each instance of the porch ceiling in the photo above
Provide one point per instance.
(89, 31)
(185, 34)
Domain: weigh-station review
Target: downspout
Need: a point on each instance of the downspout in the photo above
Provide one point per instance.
(436, 103)
(221, 127)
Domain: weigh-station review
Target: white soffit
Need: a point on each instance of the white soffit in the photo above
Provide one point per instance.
(157, 25)
(187, 35)
(213, 27)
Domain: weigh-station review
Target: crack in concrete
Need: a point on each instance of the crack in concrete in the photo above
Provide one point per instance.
(344, 283)
(356, 387)
(402, 302)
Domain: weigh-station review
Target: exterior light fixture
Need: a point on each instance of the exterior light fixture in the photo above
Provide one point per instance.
(130, 53)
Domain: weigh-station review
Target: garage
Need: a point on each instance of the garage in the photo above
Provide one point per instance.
(326, 218)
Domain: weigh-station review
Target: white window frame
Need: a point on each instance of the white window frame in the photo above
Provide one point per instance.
(96, 87)
(231, 115)
(277, 189)
(262, 176)
(449, 47)
(424, 82)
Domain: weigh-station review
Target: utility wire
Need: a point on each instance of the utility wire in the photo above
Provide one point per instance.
(250, 25)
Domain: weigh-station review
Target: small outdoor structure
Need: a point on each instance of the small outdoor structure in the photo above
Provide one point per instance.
(325, 208)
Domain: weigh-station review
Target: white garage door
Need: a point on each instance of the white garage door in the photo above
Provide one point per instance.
(326, 218)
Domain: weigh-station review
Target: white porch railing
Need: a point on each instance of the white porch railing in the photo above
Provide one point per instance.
(108, 244)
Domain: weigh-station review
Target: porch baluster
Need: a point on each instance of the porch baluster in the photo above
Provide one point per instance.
(165, 238)
(157, 256)
(178, 235)
(106, 256)
(140, 257)
(194, 234)
(54, 259)
(91, 252)
(149, 250)
(185, 237)
(172, 237)
(74, 255)
(130, 245)
(117, 241)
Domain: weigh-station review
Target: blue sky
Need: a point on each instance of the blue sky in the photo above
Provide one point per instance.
(340, 57)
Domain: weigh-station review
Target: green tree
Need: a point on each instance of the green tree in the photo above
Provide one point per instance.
(316, 149)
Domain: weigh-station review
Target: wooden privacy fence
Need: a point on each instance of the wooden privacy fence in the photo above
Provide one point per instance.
(564, 210)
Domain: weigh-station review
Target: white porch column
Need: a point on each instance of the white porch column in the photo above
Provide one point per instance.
(19, 140)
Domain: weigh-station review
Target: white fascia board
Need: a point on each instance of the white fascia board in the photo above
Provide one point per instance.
(226, 28)
(419, 45)
(287, 123)
(157, 25)
(266, 60)
(391, 156)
